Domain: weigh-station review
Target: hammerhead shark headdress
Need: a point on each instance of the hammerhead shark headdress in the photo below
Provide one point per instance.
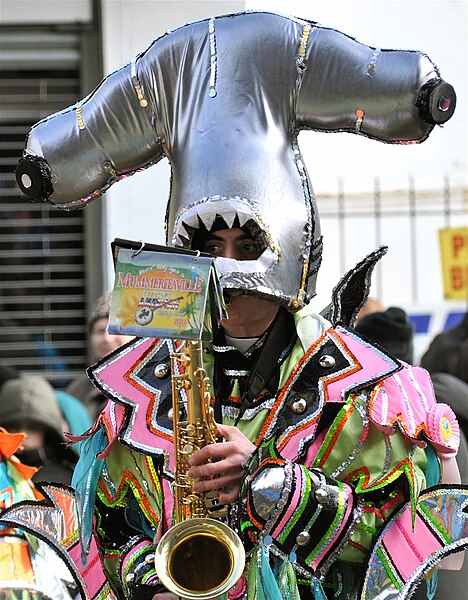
(224, 100)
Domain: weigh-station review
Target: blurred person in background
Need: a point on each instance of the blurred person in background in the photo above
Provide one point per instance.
(391, 330)
(102, 344)
(448, 352)
(7, 372)
(370, 305)
(75, 417)
(30, 406)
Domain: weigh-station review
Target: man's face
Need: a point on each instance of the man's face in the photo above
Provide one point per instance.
(102, 343)
(248, 316)
(232, 243)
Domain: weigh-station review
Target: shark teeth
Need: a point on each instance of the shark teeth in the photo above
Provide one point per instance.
(182, 232)
(243, 218)
(206, 212)
(207, 218)
(190, 219)
(229, 217)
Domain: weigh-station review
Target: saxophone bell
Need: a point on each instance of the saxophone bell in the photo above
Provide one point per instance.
(199, 559)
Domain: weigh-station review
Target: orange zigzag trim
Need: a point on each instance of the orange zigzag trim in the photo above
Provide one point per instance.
(128, 479)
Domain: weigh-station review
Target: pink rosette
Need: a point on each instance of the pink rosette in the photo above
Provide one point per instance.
(443, 430)
(238, 590)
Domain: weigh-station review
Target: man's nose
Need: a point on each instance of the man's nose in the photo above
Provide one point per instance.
(230, 251)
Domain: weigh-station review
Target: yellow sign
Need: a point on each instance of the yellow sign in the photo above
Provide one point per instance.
(454, 254)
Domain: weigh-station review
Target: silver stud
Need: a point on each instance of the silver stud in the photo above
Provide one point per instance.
(326, 361)
(130, 577)
(161, 370)
(149, 559)
(299, 406)
(170, 414)
(303, 538)
(321, 495)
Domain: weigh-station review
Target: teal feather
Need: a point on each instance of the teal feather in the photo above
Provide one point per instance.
(319, 594)
(85, 480)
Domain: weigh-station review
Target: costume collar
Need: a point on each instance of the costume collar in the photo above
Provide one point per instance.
(337, 364)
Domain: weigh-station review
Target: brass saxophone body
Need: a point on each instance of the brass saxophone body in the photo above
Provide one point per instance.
(199, 557)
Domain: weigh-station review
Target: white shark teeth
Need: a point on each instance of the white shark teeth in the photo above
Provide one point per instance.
(208, 218)
(243, 218)
(182, 232)
(190, 219)
(229, 217)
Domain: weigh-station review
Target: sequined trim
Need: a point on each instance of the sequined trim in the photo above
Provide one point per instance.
(136, 84)
(407, 402)
(140, 493)
(112, 416)
(306, 489)
(372, 62)
(442, 510)
(333, 433)
(133, 561)
(306, 29)
(308, 231)
(362, 438)
(222, 349)
(213, 59)
(418, 388)
(232, 412)
(335, 526)
(388, 455)
(352, 524)
(236, 372)
(384, 396)
(79, 116)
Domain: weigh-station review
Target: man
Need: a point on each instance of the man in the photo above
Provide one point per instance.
(346, 429)
(326, 437)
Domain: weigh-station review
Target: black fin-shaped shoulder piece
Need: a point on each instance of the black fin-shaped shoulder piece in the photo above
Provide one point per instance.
(352, 290)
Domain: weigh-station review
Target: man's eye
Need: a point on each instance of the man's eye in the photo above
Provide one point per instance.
(213, 248)
(249, 248)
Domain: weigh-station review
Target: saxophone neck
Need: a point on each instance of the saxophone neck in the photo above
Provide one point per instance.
(198, 394)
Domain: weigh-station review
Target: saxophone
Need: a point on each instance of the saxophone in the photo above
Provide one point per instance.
(199, 557)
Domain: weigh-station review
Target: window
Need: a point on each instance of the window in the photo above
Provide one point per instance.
(43, 280)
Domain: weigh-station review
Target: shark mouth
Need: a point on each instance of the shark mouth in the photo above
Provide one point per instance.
(237, 212)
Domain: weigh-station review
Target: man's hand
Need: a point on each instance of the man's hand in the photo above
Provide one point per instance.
(227, 469)
(165, 596)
